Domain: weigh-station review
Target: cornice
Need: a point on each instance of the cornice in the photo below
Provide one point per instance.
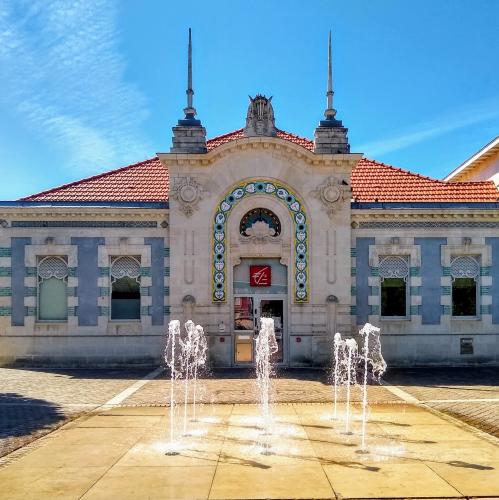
(271, 144)
(418, 214)
(46, 212)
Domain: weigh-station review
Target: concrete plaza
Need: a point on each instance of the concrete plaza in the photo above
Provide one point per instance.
(120, 453)
(425, 437)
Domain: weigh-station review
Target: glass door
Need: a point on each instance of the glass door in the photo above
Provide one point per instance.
(274, 308)
(247, 313)
(244, 329)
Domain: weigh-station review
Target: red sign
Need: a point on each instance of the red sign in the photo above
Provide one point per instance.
(260, 276)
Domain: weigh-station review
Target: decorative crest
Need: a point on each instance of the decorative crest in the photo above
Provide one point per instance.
(188, 192)
(260, 118)
(331, 193)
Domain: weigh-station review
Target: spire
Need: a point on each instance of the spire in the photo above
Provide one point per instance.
(330, 111)
(189, 111)
(189, 136)
(330, 135)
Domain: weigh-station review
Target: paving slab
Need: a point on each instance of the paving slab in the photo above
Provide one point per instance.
(389, 480)
(250, 482)
(48, 483)
(102, 421)
(470, 479)
(153, 483)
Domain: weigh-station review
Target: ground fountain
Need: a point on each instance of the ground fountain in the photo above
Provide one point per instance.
(338, 368)
(186, 357)
(371, 357)
(200, 354)
(265, 347)
(171, 359)
(351, 376)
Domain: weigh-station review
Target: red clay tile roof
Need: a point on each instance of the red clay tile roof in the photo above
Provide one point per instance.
(238, 134)
(144, 181)
(375, 181)
(148, 181)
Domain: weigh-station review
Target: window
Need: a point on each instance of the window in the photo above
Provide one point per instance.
(52, 289)
(393, 273)
(464, 272)
(125, 283)
(260, 217)
(243, 313)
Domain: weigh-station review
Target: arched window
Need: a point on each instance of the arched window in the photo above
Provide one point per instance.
(52, 289)
(125, 283)
(465, 271)
(393, 273)
(260, 215)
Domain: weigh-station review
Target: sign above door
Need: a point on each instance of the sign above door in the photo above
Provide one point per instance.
(260, 275)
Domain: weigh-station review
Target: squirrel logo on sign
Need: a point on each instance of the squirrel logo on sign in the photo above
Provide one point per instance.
(260, 276)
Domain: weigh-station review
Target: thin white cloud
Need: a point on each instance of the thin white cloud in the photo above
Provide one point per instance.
(480, 112)
(63, 75)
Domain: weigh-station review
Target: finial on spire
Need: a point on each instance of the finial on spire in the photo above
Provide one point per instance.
(330, 111)
(189, 111)
(189, 136)
(330, 135)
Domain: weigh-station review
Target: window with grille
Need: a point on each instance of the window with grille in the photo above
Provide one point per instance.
(393, 273)
(465, 272)
(125, 288)
(52, 277)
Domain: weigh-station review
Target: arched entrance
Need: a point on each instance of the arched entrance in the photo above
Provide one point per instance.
(296, 209)
(267, 270)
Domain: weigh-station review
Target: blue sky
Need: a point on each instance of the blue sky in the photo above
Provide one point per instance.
(90, 85)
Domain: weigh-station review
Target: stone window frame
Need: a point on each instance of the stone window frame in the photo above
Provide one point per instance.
(123, 249)
(39, 281)
(413, 254)
(113, 259)
(33, 254)
(481, 252)
(476, 279)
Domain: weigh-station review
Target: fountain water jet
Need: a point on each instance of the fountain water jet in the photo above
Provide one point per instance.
(371, 354)
(265, 346)
(351, 376)
(339, 355)
(200, 350)
(186, 345)
(170, 359)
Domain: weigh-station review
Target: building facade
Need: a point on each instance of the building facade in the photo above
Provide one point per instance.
(257, 222)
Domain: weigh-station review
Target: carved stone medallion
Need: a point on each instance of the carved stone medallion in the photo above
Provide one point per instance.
(331, 193)
(188, 192)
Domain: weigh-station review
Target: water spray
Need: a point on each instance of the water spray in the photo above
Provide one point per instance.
(351, 347)
(170, 359)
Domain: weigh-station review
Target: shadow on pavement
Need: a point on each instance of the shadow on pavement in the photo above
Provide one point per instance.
(88, 373)
(445, 377)
(21, 416)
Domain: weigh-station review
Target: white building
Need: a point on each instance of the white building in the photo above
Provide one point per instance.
(255, 222)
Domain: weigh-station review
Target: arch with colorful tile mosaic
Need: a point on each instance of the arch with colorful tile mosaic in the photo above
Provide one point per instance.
(296, 210)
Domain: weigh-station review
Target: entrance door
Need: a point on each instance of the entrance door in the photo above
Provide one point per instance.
(247, 313)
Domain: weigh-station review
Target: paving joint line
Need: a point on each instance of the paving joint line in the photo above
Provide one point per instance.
(220, 453)
(129, 391)
(457, 422)
(462, 400)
